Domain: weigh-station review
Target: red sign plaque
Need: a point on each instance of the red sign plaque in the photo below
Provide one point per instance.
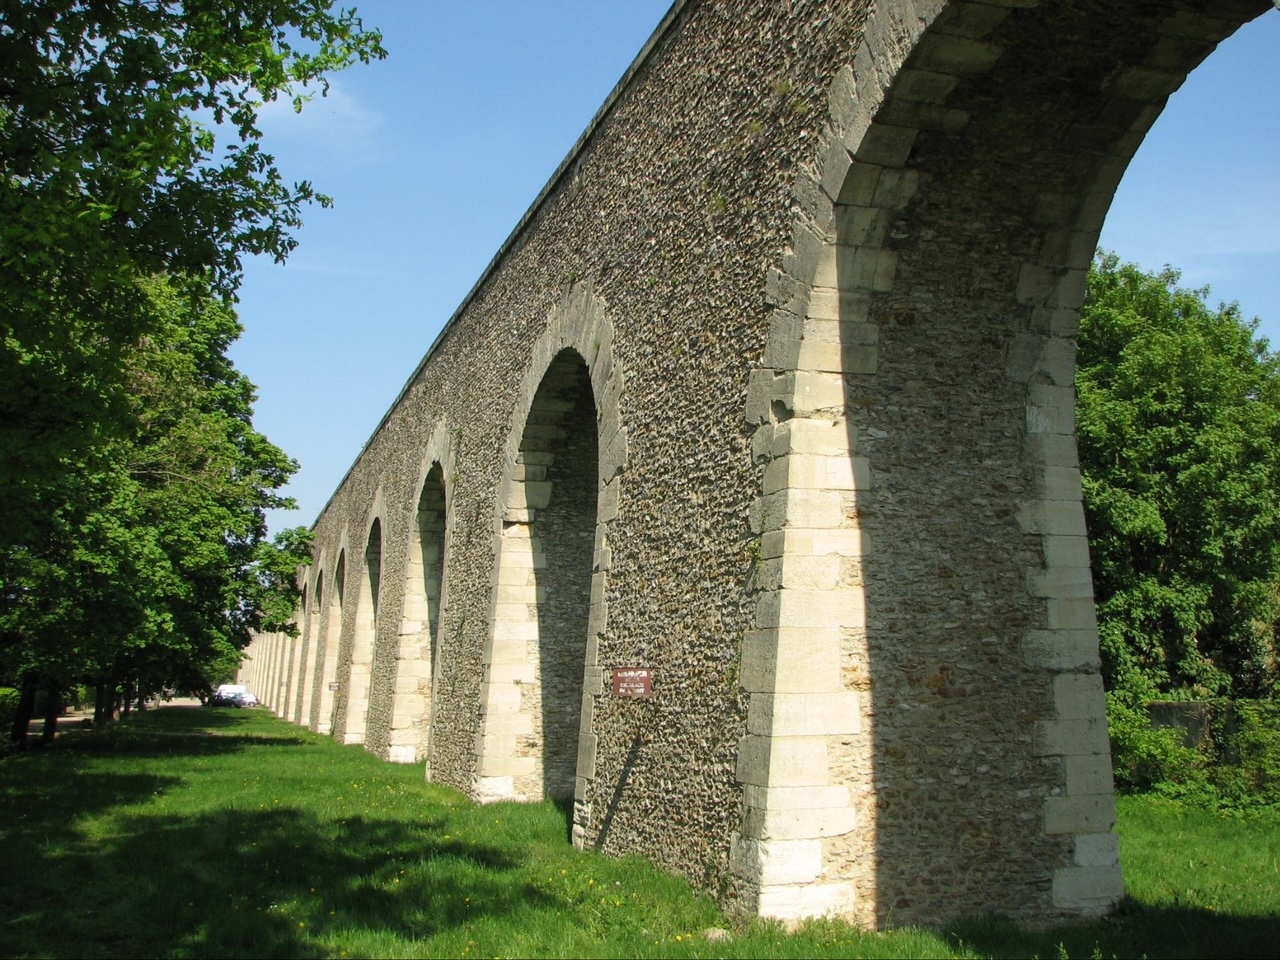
(632, 682)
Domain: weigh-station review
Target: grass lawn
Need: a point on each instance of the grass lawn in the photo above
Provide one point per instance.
(189, 832)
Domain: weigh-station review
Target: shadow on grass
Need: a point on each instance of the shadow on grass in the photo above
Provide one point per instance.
(94, 869)
(44, 790)
(174, 730)
(1135, 930)
(276, 882)
(564, 806)
(157, 744)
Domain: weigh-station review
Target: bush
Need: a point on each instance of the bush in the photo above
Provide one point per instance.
(1146, 759)
(1234, 766)
(8, 710)
(1247, 737)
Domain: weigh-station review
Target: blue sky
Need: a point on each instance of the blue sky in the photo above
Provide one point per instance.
(434, 154)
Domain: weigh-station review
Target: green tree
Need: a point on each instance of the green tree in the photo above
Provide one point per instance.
(157, 569)
(1179, 432)
(129, 147)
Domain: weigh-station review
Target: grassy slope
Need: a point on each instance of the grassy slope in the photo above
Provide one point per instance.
(192, 832)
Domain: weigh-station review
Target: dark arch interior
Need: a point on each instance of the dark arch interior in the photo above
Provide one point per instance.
(431, 544)
(364, 640)
(560, 445)
(314, 654)
(339, 580)
(431, 528)
(298, 661)
(333, 635)
(373, 569)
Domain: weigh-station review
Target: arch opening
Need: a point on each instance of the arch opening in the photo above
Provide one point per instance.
(363, 640)
(329, 650)
(929, 439)
(410, 735)
(280, 675)
(297, 657)
(966, 421)
(533, 712)
(311, 653)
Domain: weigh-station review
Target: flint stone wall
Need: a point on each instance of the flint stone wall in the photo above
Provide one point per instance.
(821, 265)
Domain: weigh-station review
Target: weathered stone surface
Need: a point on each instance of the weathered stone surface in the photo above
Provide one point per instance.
(1088, 891)
(1084, 814)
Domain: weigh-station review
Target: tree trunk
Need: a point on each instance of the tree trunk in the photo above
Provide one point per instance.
(52, 710)
(103, 703)
(26, 707)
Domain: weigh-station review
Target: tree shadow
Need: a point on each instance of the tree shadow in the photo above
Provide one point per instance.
(345, 878)
(158, 744)
(48, 805)
(1136, 929)
(174, 731)
(230, 882)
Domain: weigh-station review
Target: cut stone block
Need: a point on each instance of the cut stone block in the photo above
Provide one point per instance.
(783, 761)
(1079, 814)
(770, 862)
(1087, 890)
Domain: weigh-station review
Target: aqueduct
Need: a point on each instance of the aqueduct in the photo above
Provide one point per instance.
(739, 501)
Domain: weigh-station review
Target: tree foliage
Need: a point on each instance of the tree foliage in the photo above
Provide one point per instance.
(1179, 432)
(110, 170)
(157, 568)
(133, 182)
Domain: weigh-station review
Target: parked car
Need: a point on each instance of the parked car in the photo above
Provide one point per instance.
(233, 695)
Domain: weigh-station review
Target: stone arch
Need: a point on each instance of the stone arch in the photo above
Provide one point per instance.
(312, 605)
(424, 597)
(564, 456)
(922, 529)
(364, 631)
(328, 651)
(280, 672)
(297, 652)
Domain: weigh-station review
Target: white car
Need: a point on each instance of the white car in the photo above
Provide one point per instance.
(234, 695)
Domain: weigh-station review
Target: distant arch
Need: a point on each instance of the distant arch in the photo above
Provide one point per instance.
(364, 632)
(332, 643)
(297, 655)
(279, 692)
(310, 633)
(424, 599)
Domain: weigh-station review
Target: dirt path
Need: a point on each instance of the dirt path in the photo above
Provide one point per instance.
(80, 719)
